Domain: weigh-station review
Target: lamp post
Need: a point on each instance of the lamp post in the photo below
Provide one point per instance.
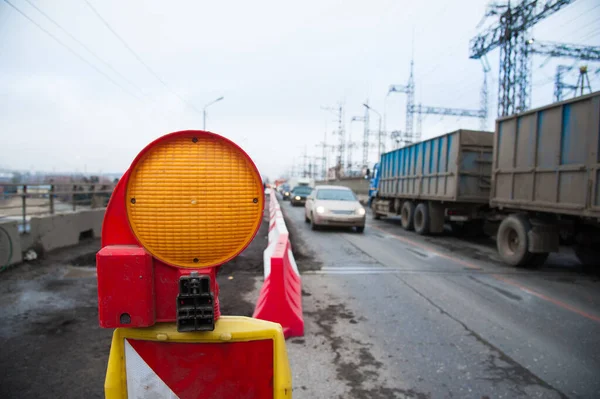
(204, 111)
(378, 131)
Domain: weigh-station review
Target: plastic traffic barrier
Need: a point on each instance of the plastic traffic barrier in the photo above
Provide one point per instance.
(280, 298)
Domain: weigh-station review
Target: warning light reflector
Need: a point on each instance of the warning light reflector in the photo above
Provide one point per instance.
(194, 199)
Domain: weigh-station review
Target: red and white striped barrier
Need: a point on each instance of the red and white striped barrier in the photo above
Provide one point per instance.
(280, 298)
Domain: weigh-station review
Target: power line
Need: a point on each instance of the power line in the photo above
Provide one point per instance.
(137, 57)
(592, 34)
(75, 53)
(85, 47)
(578, 29)
(555, 29)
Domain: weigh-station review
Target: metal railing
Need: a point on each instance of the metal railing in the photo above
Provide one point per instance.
(21, 201)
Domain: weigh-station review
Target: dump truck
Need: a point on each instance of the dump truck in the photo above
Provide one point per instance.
(541, 173)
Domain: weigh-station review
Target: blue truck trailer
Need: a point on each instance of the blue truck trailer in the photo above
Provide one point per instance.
(534, 182)
(444, 179)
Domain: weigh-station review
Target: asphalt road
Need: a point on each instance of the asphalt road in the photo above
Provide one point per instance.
(390, 314)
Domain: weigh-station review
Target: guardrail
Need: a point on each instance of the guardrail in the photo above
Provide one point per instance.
(21, 201)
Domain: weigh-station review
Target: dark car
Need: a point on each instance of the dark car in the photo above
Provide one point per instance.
(285, 192)
(299, 194)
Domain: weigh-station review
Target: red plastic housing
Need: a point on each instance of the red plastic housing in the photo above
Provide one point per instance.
(136, 290)
(132, 285)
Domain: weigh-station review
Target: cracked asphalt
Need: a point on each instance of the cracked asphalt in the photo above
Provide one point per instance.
(390, 314)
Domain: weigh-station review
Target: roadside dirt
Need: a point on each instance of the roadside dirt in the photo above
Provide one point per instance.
(52, 346)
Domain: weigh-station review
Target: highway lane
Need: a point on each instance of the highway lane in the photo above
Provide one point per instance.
(398, 315)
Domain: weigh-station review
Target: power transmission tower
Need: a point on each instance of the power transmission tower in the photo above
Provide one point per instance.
(353, 144)
(409, 90)
(511, 34)
(559, 84)
(426, 110)
(305, 163)
(339, 111)
(583, 82)
(325, 147)
(564, 50)
(483, 96)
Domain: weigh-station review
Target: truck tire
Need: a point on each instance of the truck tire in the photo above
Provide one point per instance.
(421, 219)
(407, 215)
(512, 241)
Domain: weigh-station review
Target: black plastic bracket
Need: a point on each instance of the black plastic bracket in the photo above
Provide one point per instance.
(195, 304)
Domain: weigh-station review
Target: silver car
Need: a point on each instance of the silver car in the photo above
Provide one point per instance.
(334, 206)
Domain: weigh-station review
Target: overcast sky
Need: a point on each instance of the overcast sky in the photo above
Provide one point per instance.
(275, 62)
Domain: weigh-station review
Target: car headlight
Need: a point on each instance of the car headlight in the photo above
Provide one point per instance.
(360, 211)
(286, 193)
(320, 210)
(297, 198)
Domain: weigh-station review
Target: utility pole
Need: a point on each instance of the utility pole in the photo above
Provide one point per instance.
(365, 158)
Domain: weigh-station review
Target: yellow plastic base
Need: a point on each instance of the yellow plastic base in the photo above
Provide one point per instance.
(227, 329)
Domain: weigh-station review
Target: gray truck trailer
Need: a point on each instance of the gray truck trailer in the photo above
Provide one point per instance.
(535, 181)
(545, 181)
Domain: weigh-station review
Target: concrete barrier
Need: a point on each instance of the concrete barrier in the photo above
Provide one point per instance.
(47, 233)
(10, 241)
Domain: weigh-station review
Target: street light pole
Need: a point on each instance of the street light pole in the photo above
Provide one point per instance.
(204, 111)
(378, 132)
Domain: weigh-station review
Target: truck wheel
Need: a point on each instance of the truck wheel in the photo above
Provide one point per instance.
(407, 215)
(512, 240)
(421, 219)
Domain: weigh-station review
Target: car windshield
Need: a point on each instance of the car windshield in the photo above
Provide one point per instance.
(335, 195)
(302, 190)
